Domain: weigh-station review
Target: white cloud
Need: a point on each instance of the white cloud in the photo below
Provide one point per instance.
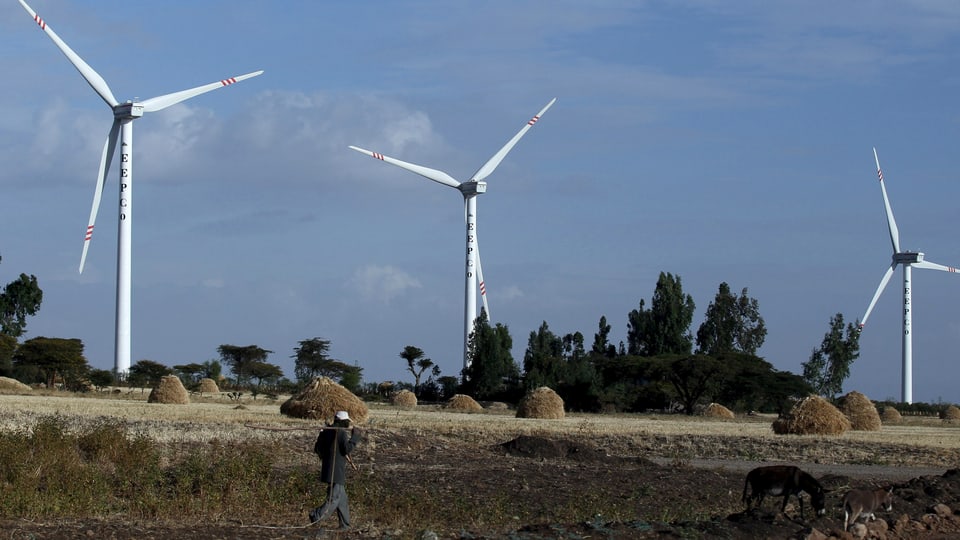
(382, 283)
(213, 283)
(511, 292)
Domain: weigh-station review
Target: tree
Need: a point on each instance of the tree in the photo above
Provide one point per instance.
(264, 371)
(240, 358)
(53, 358)
(601, 341)
(212, 370)
(732, 324)
(190, 373)
(20, 298)
(351, 377)
(8, 344)
(579, 384)
(416, 364)
(829, 365)
(694, 377)
(311, 359)
(665, 327)
(100, 378)
(543, 359)
(149, 372)
(492, 373)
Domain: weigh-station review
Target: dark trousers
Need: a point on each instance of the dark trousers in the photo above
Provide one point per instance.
(336, 500)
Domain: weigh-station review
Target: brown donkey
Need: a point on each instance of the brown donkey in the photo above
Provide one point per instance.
(864, 502)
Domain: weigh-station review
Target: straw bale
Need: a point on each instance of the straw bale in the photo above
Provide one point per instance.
(209, 386)
(716, 410)
(12, 385)
(812, 415)
(950, 414)
(321, 399)
(495, 405)
(404, 398)
(170, 391)
(463, 402)
(860, 411)
(890, 415)
(541, 403)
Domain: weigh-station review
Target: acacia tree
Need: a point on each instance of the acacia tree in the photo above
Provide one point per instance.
(492, 373)
(148, 372)
(829, 365)
(240, 358)
(416, 364)
(665, 327)
(311, 359)
(264, 371)
(694, 377)
(20, 298)
(52, 357)
(732, 324)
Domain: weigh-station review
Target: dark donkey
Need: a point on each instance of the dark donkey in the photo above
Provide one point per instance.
(784, 480)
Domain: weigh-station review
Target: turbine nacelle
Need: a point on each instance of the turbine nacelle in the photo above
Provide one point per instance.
(472, 188)
(908, 257)
(128, 110)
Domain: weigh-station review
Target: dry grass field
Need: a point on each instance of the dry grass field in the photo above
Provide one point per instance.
(492, 475)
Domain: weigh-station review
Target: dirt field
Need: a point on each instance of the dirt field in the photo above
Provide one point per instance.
(676, 477)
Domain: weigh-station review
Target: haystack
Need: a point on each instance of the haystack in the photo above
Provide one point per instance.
(812, 415)
(209, 386)
(169, 391)
(890, 415)
(12, 385)
(541, 403)
(860, 411)
(463, 402)
(950, 414)
(716, 410)
(321, 399)
(405, 399)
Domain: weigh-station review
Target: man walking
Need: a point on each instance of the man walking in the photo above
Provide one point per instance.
(333, 446)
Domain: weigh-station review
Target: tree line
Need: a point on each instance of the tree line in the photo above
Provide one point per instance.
(662, 365)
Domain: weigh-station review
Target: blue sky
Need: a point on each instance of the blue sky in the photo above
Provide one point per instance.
(718, 141)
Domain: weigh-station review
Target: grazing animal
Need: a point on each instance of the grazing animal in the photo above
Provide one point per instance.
(864, 502)
(783, 480)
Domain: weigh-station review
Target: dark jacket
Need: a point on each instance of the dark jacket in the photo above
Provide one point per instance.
(333, 446)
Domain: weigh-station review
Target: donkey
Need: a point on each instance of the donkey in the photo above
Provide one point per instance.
(783, 480)
(864, 502)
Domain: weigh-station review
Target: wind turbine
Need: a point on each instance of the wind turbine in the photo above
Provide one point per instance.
(469, 189)
(909, 260)
(123, 116)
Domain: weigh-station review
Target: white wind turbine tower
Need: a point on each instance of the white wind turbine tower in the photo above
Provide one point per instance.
(909, 260)
(123, 116)
(470, 189)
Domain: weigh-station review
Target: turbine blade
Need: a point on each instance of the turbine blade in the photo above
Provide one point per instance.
(493, 162)
(105, 158)
(92, 77)
(876, 295)
(481, 284)
(934, 266)
(164, 101)
(891, 223)
(426, 172)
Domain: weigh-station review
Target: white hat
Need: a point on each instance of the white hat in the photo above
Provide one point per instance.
(342, 415)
